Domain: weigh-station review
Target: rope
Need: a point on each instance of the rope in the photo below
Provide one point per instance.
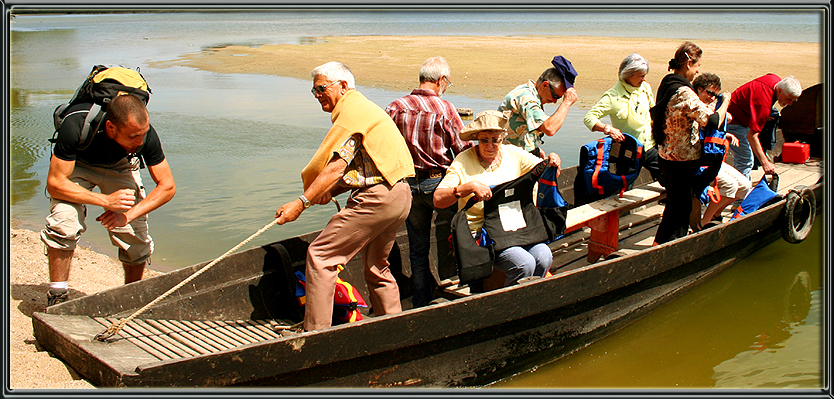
(117, 326)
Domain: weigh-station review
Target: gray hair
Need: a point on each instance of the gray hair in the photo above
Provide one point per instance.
(632, 64)
(790, 85)
(433, 69)
(553, 76)
(334, 71)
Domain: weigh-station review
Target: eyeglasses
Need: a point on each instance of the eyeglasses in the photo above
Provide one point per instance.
(493, 141)
(553, 93)
(316, 90)
(448, 82)
(712, 93)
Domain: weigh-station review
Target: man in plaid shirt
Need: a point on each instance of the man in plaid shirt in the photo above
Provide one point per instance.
(430, 126)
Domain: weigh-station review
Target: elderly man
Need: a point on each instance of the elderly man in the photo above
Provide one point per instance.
(529, 122)
(111, 162)
(430, 126)
(750, 108)
(363, 152)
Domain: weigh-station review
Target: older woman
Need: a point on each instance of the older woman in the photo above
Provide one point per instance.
(490, 163)
(676, 120)
(627, 105)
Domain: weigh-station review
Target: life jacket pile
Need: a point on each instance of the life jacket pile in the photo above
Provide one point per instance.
(607, 167)
(346, 299)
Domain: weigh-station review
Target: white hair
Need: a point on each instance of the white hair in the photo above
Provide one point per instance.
(790, 86)
(632, 64)
(334, 71)
(433, 69)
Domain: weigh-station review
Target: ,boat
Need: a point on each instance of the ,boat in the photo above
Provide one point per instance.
(228, 327)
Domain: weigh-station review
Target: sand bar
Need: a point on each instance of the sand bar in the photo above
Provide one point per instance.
(489, 67)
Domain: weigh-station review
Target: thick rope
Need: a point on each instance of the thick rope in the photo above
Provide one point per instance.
(117, 326)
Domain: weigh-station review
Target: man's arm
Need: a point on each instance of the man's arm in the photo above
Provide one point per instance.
(753, 138)
(553, 123)
(318, 190)
(160, 195)
(60, 187)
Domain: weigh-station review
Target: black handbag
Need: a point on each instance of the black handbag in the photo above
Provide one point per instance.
(474, 261)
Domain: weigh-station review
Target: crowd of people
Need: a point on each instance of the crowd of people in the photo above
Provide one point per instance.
(415, 160)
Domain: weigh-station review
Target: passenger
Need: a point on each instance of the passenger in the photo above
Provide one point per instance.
(431, 127)
(676, 119)
(365, 153)
(751, 107)
(112, 163)
(489, 163)
(529, 122)
(627, 105)
(732, 185)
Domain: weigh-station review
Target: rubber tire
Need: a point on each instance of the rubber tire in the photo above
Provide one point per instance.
(798, 215)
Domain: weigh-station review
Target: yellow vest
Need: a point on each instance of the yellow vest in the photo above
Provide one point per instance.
(380, 137)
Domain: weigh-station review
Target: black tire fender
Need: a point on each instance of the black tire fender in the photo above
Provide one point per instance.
(798, 215)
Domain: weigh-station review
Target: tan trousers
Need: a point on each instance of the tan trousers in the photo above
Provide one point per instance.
(66, 221)
(368, 226)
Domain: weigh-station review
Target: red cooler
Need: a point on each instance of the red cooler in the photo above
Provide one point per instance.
(795, 152)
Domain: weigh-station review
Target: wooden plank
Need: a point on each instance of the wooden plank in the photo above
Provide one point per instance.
(264, 326)
(192, 336)
(168, 334)
(243, 328)
(213, 333)
(631, 199)
(183, 349)
(143, 343)
(231, 333)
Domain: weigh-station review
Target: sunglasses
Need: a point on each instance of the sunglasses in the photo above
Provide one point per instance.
(493, 141)
(712, 93)
(316, 90)
(553, 93)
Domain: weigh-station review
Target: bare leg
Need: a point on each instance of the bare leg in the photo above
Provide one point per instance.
(133, 272)
(59, 264)
(715, 209)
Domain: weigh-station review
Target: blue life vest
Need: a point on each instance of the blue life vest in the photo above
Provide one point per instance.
(714, 146)
(609, 166)
(763, 194)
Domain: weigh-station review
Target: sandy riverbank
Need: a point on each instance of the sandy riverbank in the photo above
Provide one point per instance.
(31, 367)
(489, 67)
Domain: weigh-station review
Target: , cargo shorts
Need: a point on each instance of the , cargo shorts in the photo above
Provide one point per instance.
(66, 222)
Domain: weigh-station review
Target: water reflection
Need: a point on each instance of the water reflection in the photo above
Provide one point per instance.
(757, 324)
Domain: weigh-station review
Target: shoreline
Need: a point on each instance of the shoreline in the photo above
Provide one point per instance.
(31, 367)
(488, 67)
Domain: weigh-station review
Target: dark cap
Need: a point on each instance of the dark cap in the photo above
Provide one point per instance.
(565, 68)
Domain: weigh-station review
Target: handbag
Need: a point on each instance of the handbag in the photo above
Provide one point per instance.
(474, 260)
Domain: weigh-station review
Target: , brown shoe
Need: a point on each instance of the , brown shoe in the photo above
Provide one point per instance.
(56, 295)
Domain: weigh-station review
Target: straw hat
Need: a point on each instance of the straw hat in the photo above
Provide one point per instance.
(486, 120)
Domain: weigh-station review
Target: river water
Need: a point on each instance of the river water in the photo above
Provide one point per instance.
(236, 144)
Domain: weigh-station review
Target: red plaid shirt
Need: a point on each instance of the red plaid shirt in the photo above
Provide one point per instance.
(430, 126)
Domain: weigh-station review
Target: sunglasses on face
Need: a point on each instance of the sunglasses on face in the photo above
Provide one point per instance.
(316, 90)
(553, 93)
(493, 141)
(712, 93)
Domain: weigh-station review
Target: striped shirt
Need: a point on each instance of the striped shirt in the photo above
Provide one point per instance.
(430, 126)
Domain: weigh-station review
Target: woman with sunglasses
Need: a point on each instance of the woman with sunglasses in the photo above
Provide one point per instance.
(731, 184)
(676, 120)
(489, 163)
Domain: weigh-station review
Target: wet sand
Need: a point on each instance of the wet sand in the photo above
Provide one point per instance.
(489, 67)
